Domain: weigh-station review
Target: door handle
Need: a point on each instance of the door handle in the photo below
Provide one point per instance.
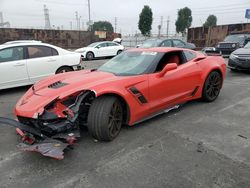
(51, 60)
(19, 64)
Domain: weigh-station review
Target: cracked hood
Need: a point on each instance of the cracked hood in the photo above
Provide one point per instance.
(63, 85)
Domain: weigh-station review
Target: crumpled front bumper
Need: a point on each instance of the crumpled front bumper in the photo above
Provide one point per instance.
(34, 140)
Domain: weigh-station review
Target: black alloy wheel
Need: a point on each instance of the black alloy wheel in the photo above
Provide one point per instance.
(212, 87)
(115, 119)
(105, 118)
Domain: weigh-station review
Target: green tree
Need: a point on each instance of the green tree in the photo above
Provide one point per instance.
(102, 26)
(184, 20)
(211, 21)
(145, 20)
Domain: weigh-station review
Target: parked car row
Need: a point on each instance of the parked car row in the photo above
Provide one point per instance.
(166, 43)
(237, 48)
(24, 62)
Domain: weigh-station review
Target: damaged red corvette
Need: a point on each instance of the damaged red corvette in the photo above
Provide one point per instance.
(134, 86)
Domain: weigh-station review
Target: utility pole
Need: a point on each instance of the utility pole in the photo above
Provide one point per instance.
(1, 18)
(161, 24)
(168, 26)
(89, 22)
(77, 25)
(46, 16)
(115, 24)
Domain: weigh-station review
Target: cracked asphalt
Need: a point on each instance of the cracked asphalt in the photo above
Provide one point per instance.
(199, 145)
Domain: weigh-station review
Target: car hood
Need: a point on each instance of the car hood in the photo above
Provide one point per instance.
(242, 51)
(65, 84)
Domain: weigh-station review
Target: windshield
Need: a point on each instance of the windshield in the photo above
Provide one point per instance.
(131, 63)
(93, 44)
(235, 38)
(247, 45)
(151, 43)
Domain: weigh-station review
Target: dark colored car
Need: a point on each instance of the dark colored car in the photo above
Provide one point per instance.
(167, 43)
(240, 59)
(231, 43)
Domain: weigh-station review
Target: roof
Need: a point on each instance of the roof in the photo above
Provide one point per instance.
(26, 43)
(157, 49)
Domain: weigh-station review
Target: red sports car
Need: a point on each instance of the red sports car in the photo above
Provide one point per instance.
(132, 87)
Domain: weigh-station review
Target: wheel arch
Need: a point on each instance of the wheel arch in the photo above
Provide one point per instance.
(68, 66)
(90, 51)
(217, 69)
(125, 104)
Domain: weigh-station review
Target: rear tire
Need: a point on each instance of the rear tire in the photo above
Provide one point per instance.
(90, 56)
(105, 118)
(212, 87)
(64, 69)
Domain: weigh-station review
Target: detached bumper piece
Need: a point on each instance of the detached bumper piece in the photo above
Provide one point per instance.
(48, 147)
(34, 140)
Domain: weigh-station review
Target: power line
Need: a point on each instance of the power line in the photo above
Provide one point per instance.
(221, 10)
(219, 6)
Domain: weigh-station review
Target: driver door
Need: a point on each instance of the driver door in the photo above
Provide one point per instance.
(175, 86)
(101, 50)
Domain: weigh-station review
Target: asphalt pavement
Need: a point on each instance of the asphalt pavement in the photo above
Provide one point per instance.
(199, 145)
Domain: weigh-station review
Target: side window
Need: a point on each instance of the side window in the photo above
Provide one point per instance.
(54, 52)
(178, 43)
(112, 44)
(102, 45)
(189, 55)
(39, 51)
(167, 43)
(170, 57)
(11, 54)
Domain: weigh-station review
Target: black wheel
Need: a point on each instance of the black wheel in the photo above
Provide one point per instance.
(64, 69)
(90, 56)
(212, 86)
(105, 118)
(119, 51)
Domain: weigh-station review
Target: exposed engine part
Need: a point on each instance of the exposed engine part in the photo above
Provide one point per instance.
(56, 128)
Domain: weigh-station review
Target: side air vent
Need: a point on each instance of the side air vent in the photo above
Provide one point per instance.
(57, 85)
(138, 95)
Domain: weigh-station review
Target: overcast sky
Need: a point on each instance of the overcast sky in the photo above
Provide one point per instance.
(29, 13)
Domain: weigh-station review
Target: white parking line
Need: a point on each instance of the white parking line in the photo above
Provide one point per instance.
(233, 105)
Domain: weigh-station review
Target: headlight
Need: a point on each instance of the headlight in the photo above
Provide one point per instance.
(233, 45)
(233, 56)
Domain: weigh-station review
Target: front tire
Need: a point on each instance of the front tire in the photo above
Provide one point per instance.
(212, 87)
(105, 118)
(64, 69)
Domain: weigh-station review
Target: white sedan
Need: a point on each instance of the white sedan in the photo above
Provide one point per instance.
(101, 49)
(26, 62)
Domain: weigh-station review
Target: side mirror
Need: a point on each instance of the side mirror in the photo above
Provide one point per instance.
(97, 47)
(168, 67)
